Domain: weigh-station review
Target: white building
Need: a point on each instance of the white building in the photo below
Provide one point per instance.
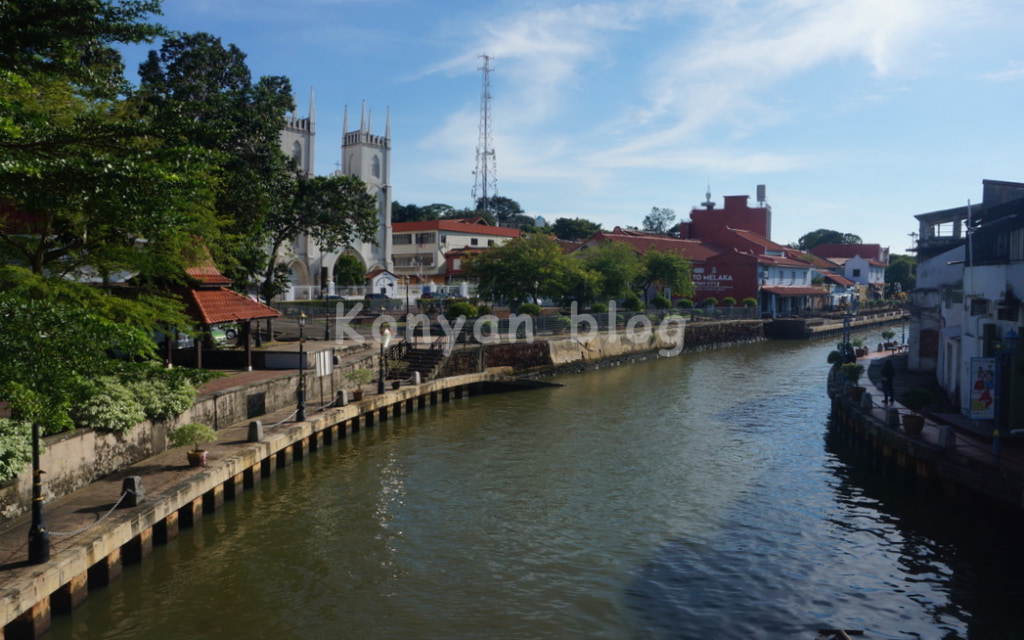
(363, 154)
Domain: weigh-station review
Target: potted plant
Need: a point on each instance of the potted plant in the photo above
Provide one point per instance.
(193, 433)
(914, 399)
(852, 372)
(359, 377)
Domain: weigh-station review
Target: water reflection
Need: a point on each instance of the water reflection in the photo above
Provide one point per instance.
(694, 497)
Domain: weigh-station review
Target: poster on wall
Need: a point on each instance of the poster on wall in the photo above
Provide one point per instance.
(983, 388)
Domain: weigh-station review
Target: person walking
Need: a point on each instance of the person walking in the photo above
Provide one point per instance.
(888, 374)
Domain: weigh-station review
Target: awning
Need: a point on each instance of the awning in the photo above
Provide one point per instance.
(216, 306)
(794, 292)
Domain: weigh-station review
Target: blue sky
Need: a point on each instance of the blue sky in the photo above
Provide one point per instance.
(855, 114)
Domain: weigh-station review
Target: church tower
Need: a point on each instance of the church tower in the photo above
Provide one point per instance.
(299, 137)
(368, 156)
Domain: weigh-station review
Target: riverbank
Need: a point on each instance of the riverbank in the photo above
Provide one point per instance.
(948, 454)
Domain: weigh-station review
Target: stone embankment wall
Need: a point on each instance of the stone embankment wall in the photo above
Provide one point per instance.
(564, 353)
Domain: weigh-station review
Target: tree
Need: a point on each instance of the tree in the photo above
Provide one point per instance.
(666, 269)
(85, 174)
(901, 274)
(524, 268)
(826, 236)
(197, 87)
(331, 210)
(659, 221)
(616, 267)
(349, 271)
(504, 209)
(574, 230)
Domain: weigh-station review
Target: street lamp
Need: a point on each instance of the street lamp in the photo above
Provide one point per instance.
(327, 316)
(38, 536)
(385, 341)
(301, 395)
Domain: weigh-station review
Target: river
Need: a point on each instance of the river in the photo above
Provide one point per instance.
(692, 497)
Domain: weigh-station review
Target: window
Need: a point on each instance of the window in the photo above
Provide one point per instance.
(426, 238)
(402, 238)
(856, 273)
(1017, 245)
(474, 241)
(490, 243)
(375, 167)
(297, 153)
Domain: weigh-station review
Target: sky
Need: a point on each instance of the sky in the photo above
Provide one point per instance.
(856, 115)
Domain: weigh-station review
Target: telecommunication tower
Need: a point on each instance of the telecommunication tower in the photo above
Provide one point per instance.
(485, 176)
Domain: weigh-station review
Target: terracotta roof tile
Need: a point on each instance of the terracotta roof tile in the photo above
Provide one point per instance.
(216, 306)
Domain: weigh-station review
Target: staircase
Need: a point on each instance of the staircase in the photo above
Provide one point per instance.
(425, 361)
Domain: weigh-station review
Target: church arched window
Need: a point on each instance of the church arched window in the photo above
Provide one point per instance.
(375, 167)
(297, 153)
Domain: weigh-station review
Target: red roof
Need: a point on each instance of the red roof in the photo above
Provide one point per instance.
(478, 226)
(788, 292)
(208, 274)
(838, 279)
(692, 250)
(216, 306)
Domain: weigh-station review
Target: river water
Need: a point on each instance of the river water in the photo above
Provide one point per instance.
(698, 497)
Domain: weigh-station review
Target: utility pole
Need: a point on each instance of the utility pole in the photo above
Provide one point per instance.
(485, 176)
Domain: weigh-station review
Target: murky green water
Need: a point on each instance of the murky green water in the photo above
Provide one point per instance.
(694, 497)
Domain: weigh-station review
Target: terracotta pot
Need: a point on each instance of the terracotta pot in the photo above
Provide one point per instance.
(857, 392)
(913, 424)
(357, 395)
(197, 458)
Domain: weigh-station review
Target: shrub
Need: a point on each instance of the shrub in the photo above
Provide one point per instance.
(459, 309)
(15, 447)
(110, 407)
(686, 303)
(729, 301)
(888, 335)
(710, 302)
(163, 397)
(916, 399)
(660, 302)
(528, 308)
(835, 357)
(599, 307)
(482, 309)
(193, 433)
(359, 376)
(749, 302)
(633, 303)
(852, 371)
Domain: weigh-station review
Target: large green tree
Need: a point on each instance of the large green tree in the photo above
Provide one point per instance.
(616, 266)
(90, 187)
(526, 268)
(665, 270)
(203, 90)
(901, 274)
(826, 236)
(660, 220)
(574, 229)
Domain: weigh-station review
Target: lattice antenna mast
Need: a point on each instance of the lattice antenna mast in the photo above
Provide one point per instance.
(485, 176)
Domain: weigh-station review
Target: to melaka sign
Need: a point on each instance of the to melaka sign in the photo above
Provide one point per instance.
(712, 279)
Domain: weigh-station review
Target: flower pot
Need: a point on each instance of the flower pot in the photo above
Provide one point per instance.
(396, 385)
(857, 392)
(357, 395)
(913, 424)
(197, 458)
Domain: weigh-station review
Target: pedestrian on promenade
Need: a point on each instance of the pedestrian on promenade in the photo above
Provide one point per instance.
(888, 373)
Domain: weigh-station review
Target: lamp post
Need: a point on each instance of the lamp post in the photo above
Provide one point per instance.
(301, 395)
(38, 536)
(385, 341)
(327, 316)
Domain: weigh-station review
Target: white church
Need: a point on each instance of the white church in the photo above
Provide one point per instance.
(367, 156)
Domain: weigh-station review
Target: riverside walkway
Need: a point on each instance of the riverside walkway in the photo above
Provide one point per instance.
(951, 448)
